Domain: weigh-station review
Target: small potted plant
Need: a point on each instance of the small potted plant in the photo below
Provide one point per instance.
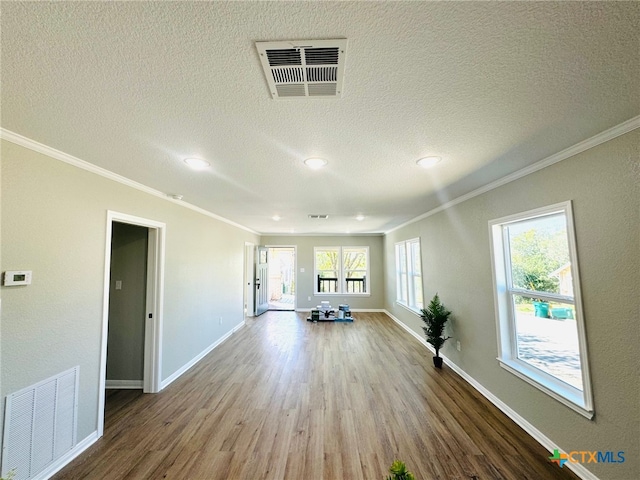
(398, 471)
(435, 317)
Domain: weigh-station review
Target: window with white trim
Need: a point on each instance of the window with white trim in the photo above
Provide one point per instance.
(409, 274)
(541, 335)
(341, 270)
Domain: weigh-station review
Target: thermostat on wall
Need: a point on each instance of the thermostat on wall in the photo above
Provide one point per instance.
(15, 278)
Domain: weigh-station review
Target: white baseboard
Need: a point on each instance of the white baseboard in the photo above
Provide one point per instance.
(541, 438)
(124, 384)
(67, 458)
(412, 333)
(175, 375)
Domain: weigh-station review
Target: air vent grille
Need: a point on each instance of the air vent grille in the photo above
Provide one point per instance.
(322, 74)
(40, 425)
(287, 75)
(291, 90)
(322, 56)
(322, 216)
(289, 56)
(320, 89)
(304, 68)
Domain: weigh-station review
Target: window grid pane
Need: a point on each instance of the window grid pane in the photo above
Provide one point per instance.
(401, 264)
(547, 338)
(416, 275)
(409, 274)
(539, 254)
(417, 285)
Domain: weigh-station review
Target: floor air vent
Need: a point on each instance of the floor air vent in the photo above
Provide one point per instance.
(304, 68)
(40, 425)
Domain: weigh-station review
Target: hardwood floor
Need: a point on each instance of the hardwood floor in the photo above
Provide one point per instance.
(284, 398)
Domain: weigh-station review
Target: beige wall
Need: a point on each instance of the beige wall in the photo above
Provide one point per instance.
(54, 223)
(603, 184)
(304, 281)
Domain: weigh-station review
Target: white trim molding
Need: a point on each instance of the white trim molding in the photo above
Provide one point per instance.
(602, 137)
(175, 375)
(67, 458)
(540, 437)
(123, 385)
(18, 139)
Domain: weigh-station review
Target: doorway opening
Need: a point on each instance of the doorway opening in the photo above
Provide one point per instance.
(127, 306)
(282, 278)
(134, 268)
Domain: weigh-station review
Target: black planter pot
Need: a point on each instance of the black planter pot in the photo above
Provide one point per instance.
(437, 361)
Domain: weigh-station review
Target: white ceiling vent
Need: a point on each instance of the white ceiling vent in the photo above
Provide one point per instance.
(304, 68)
(322, 216)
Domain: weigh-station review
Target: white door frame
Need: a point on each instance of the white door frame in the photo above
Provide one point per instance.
(154, 300)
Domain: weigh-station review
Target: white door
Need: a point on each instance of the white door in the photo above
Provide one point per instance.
(262, 280)
(249, 268)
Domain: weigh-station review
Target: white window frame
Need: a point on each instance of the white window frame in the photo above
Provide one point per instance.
(580, 401)
(406, 276)
(342, 288)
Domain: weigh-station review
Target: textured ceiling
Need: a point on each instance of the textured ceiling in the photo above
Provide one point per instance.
(491, 87)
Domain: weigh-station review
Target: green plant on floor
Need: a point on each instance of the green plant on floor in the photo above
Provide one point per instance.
(435, 317)
(399, 471)
(10, 475)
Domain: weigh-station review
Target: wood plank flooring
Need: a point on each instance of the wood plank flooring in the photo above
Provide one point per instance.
(284, 398)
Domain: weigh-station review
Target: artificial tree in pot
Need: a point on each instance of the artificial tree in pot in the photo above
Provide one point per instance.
(435, 317)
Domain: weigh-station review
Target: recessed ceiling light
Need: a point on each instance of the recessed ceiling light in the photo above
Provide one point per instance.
(428, 162)
(197, 163)
(360, 218)
(315, 163)
(276, 218)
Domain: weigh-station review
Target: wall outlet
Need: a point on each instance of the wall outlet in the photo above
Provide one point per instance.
(458, 345)
(309, 298)
(220, 320)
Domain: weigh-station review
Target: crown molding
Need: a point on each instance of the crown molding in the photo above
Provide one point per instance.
(23, 141)
(308, 234)
(610, 134)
